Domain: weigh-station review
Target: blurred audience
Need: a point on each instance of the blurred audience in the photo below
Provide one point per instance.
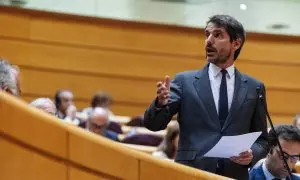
(168, 147)
(98, 121)
(9, 78)
(115, 127)
(101, 99)
(142, 139)
(63, 99)
(136, 121)
(71, 115)
(44, 104)
(297, 120)
(273, 166)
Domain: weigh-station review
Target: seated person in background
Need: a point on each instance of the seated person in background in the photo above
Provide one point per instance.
(297, 121)
(97, 123)
(9, 78)
(63, 99)
(273, 166)
(168, 147)
(101, 99)
(71, 115)
(44, 104)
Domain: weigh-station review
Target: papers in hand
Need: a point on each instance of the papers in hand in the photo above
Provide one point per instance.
(229, 146)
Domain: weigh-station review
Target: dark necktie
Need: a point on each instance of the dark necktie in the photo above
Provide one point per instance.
(223, 99)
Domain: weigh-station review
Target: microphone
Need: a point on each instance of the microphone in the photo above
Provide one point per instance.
(263, 102)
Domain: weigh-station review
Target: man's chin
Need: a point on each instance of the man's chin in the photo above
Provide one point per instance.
(211, 60)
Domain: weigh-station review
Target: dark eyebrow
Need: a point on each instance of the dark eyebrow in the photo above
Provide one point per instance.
(218, 31)
(214, 31)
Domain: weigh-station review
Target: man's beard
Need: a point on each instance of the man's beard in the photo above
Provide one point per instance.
(220, 59)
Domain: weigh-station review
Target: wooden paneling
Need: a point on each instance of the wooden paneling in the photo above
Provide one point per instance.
(96, 152)
(282, 119)
(148, 167)
(14, 25)
(283, 101)
(273, 75)
(127, 58)
(18, 163)
(119, 63)
(117, 108)
(14, 50)
(30, 128)
(84, 87)
(153, 38)
(273, 51)
(135, 91)
(117, 35)
(96, 61)
(78, 174)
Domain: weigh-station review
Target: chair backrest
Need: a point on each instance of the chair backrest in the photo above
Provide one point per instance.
(143, 139)
(115, 127)
(136, 121)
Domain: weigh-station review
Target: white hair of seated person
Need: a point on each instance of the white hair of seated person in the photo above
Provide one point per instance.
(44, 104)
(96, 113)
(8, 78)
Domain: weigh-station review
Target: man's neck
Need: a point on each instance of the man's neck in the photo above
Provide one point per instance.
(226, 64)
(267, 164)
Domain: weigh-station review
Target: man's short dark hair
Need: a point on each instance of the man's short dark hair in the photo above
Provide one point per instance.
(101, 99)
(233, 27)
(57, 97)
(285, 132)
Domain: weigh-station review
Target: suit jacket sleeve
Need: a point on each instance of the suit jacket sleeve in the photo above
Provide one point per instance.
(156, 119)
(260, 148)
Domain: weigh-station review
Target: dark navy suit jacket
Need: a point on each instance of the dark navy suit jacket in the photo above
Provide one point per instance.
(191, 97)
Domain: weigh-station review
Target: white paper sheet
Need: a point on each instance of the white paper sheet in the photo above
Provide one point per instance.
(229, 146)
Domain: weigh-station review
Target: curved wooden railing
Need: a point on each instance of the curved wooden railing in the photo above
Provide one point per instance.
(35, 145)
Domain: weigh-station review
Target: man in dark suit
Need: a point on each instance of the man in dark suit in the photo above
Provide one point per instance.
(273, 166)
(213, 102)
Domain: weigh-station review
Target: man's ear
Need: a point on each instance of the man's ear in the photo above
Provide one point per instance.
(237, 43)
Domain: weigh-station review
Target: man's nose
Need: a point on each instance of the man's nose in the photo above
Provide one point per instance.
(209, 40)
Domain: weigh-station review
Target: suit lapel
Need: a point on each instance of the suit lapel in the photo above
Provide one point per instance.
(240, 91)
(203, 88)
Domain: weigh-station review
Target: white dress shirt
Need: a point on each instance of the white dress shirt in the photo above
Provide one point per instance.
(215, 77)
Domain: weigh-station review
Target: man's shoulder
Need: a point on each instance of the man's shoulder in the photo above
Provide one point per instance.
(256, 172)
(188, 73)
(295, 176)
(251, 79)
(191, 73)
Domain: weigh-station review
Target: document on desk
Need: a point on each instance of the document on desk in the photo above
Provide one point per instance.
(229, 146)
